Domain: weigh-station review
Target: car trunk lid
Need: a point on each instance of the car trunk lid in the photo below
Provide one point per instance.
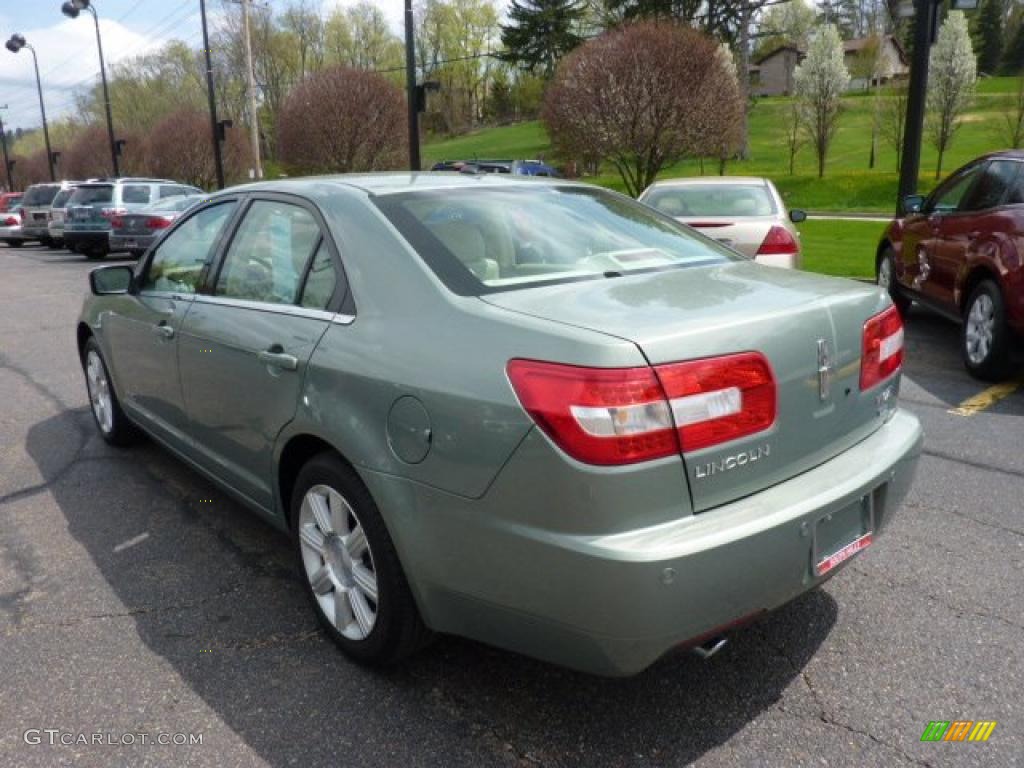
(801, 323)
(744, 234)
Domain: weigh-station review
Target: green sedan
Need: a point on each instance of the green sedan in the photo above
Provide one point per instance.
(534, 413)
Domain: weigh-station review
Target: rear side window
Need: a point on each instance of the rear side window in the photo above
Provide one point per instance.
(1016, 194)
(135, 193)
(269, 253)
(41, 194)
(321, 281)
(99, 193)
(181, 256)
(992, 186)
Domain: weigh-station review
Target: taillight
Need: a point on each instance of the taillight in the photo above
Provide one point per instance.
(110, 213)
(778, 241)
(882, 351)
(116, 222)
(11, 221)
(628, 415)
(157, 222)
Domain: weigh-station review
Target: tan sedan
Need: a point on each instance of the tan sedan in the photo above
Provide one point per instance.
(746, 213)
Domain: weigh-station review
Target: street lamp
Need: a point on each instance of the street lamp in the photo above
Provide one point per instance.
(14, 45)
(71, 9)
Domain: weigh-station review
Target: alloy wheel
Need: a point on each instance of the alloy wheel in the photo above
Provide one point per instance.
(99, 391)
(885, 273)
(980, 329)
(338, 562)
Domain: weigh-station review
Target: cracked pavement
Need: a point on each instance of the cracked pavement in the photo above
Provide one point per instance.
(135, 596)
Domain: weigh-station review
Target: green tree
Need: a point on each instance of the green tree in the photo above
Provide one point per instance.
(952, 77)
(819, 82)
(988, 36)
(540, 32)
(789, 23)
(1013, 56)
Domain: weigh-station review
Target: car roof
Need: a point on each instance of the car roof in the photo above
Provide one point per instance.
(396, 182)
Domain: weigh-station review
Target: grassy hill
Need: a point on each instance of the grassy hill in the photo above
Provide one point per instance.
(849, 185)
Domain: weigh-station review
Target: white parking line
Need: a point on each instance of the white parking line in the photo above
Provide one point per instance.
(131, 542)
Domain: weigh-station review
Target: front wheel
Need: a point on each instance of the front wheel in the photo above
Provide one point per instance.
(13, 243)
(985, 338)
(106, 410)
(886, 275)
(351, 568)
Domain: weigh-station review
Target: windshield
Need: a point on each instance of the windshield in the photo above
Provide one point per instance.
(98, 193)
(481, 240)
(62, 198)
(712, 200)
(39, 195)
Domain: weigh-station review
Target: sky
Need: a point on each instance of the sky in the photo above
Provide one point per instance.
(66, 48)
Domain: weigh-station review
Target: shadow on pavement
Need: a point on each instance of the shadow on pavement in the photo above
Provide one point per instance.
(212, 590)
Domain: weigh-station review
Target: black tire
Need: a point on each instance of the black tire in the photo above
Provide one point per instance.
(397, 631)
(986, 345)
(120, 431)
(49, 242)
(94, 255)
(887, 266)
(14, 243)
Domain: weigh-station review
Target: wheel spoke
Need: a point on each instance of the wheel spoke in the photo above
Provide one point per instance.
(339, 511)
(365, 580)
(361, 610)
(342, 609)
(318, 505)
(355, 542)
(312, 538)
(321, 581)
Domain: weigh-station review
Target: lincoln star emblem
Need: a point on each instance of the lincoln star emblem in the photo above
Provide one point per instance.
(826, 365)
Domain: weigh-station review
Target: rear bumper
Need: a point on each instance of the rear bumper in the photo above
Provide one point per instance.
(613, 604)
(89, 239)
(130, 243)
(35, 230)
(8, 234)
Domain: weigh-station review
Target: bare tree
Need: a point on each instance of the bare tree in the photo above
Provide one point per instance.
(1014, 117)
(642, 96)
(342, 119)
(795, 136)
(180, 149)
(30, 169)
(819, 83)
(893, 117)
(953, 74)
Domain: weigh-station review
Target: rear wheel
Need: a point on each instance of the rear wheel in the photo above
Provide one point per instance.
(13, 243)
(352, 572)
(106, 410)
(886, 274)
(94, 255)
(985, 337)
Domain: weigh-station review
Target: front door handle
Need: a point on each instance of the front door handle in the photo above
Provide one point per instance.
(278, 359)
(164, 331)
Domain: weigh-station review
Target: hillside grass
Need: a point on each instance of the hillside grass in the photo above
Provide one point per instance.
(848, 185)
(840, 248)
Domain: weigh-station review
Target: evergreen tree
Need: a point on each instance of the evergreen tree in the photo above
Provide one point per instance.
(540, 32)
(989, 36)
(1013, 56)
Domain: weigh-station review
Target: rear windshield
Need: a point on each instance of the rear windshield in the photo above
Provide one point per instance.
(712, 200)
(483, 240)
(62, 198)
(172, 204)
(95, 193)
(42, 194)
(8, 203)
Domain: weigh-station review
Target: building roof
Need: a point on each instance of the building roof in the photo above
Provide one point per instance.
(849, 46)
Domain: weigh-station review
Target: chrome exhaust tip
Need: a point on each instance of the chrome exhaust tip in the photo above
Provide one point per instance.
(710, 647)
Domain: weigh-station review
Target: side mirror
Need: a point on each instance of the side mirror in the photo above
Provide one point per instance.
(913, 203)
(796, 215)
(109, 281)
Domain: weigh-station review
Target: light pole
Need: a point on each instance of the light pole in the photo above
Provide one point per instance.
(217, 129)
(7, 160)
(15, 44)
(71, 9)
(410, 87)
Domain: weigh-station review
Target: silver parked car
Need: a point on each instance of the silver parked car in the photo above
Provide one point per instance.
(55, 218)
(535, 413)
(135, 232)
(745, 213)
(35, 207)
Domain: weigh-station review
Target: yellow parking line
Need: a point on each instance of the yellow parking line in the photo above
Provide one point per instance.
(987, 398)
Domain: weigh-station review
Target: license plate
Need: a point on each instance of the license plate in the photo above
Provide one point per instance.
(843, 534)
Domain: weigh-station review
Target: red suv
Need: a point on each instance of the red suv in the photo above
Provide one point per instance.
(959, 252)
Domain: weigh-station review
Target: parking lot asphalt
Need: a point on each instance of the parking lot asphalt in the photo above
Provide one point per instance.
(136, 598)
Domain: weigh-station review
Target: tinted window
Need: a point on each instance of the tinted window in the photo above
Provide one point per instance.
(172, 205)
(712, 200)
(1016, 195)
(269, 253)
(494, 239)
(178, 262)
(41, 194)
(991, 187)
(321, 280)
(135, 193)
(99, 193)
(949, 196)
(62, 198)
(170, 190)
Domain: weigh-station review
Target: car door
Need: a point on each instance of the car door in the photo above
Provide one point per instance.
(144, 337)
(247, 339)
(975, 220)
(923, 232)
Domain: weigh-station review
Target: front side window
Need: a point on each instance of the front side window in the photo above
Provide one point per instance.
(178, 263)
(269, 253)
(479, 240)
(992, 186)
(949, 196)
(135, 193)
(62, 198)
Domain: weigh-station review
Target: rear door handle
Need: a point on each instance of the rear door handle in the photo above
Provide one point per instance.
(278, 359)
(164, 331)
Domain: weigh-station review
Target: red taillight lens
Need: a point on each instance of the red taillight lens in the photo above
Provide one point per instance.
(882, 352)
(11, 221)
(627, 415)
(778, 241)
(718, 399)
(158, 222)
(116, 222)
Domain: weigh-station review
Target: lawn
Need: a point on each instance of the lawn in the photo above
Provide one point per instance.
(840, 248)
(849, 185)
